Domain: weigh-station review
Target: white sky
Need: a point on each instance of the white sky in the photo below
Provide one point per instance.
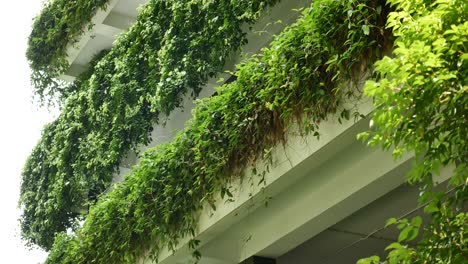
(21, 122)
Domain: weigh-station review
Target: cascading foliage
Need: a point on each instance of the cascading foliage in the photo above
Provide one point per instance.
(60, 24)
(420, 97)
(297, 79)
(171, 50)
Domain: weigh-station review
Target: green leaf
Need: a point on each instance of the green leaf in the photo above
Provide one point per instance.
(394, 245)
(365, 29)
(417, 221)
(369, 260)
(404, 233)
(391, 221)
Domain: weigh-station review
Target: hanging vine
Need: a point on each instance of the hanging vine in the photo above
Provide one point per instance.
(295, 80)
(171, 50)
(59, 25)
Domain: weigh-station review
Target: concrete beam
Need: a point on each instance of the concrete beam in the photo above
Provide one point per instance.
(326, 195)
(107, 31)
(74, 49)
(118, 20)
(74, 71)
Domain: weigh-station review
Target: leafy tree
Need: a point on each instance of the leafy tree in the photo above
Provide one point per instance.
(421, 100)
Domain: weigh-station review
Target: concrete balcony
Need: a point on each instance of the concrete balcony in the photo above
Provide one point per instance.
(317, 190)
(325, 197)
(108, 24)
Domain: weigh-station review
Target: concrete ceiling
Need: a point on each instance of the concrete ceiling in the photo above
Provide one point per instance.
(346, 242)
(128, 7)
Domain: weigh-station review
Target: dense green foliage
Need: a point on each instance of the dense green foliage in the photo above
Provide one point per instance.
(421, 104)
(60, 23)
(296, 79)
(172, 49)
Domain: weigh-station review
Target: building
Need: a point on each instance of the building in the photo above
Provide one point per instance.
(321, 201)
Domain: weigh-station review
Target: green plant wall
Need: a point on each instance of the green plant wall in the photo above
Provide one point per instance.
(296, 79)
(170, 51)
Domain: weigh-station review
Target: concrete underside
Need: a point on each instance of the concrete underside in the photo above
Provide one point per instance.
(348, 241)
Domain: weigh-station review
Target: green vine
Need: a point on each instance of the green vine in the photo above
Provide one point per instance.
(296, 79)
(171, 50)
(60, 23)
(421, 101)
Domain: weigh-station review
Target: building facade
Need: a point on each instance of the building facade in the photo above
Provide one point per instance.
(313, 198)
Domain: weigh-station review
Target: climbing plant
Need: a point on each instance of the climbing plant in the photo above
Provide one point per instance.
(59, 25)
(421, 101)
(297, 79)
(171, 50)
